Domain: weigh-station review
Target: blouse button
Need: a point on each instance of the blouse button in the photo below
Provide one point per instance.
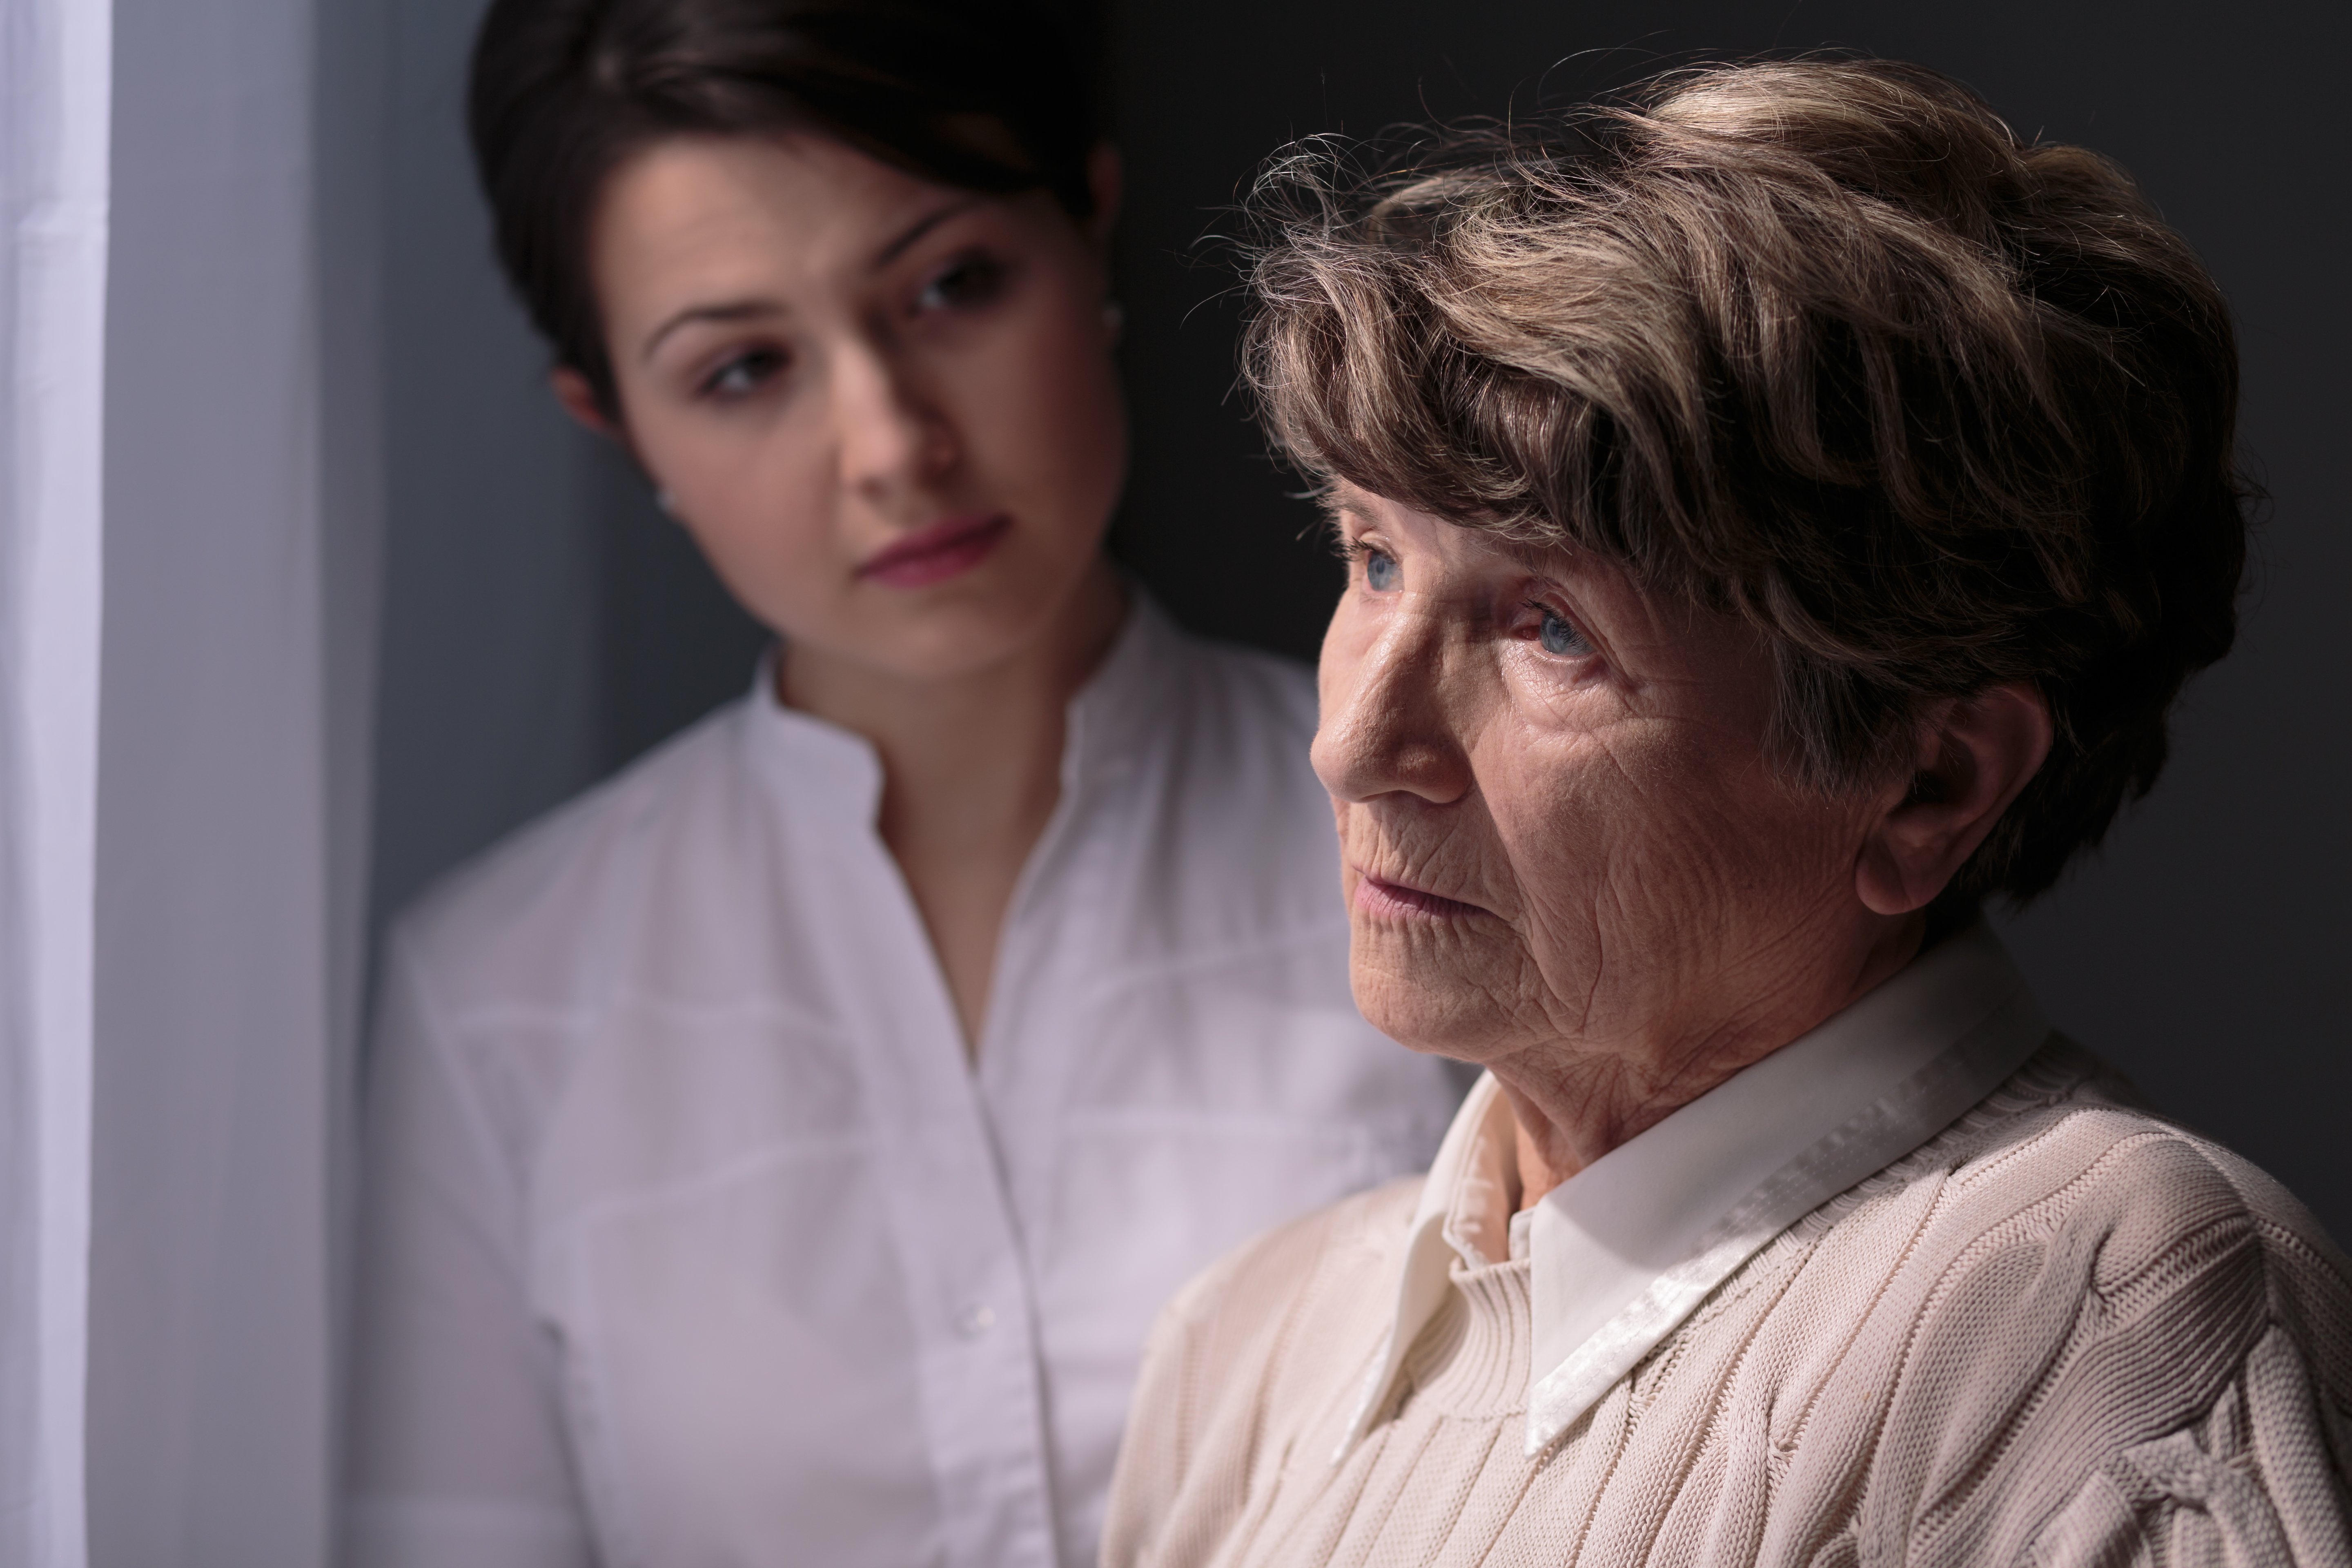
(975, 1320)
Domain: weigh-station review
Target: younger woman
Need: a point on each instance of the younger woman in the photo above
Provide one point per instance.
(779, 1153)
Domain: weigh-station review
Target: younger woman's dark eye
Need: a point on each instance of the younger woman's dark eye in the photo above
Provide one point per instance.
(972, 281)
(745, 373)
(1560, 635)
(1381, 572)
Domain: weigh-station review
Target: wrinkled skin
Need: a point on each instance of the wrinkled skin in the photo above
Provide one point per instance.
(1567, 854)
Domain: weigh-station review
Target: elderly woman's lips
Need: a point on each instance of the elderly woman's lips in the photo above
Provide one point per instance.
(1379, 896)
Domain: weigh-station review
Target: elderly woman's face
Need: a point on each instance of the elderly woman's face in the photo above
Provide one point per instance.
(1557, 813)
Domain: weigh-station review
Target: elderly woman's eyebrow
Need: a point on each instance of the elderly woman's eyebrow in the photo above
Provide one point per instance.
(1335, 495)
(1556, 562)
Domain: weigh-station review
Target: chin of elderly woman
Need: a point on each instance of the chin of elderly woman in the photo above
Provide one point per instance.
(1781, 510)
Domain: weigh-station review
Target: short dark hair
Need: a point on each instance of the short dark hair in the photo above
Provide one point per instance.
(1821, 343)
(989, 95)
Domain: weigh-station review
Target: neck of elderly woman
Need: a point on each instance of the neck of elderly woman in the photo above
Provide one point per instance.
(1575, 1099)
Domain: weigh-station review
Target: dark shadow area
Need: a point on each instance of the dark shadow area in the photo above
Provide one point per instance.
(671, 645)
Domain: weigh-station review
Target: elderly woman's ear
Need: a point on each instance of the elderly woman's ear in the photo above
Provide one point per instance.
(1972, 757)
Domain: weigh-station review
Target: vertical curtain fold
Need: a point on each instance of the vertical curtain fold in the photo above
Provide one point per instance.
(188, 439)
(55, 97)
(241, 503)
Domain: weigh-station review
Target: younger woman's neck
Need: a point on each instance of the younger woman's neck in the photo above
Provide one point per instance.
(971, 771)
(1004, 718)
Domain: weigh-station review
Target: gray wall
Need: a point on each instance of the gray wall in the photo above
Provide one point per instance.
(542, 622)
(543, 625)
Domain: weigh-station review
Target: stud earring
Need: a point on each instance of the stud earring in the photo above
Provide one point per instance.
(661, 500)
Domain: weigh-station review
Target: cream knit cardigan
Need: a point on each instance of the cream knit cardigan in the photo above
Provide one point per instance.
(2064, 1332)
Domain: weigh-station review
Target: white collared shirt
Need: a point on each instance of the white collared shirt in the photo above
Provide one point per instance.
(695, 1237)
(1621, 1252)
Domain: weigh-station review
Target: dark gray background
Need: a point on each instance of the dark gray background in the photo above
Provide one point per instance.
(543, 625)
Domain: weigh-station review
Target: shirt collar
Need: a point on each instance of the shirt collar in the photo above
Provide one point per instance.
(1624, 1251)
(835, 769)
(1125, 704)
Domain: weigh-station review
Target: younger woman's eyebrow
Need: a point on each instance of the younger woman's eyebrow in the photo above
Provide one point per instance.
(760, 308)
(752, 309)
(922, 226)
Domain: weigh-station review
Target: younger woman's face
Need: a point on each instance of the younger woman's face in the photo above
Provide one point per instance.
(885, 408)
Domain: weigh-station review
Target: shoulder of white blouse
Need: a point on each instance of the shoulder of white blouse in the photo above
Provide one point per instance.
(542, 884)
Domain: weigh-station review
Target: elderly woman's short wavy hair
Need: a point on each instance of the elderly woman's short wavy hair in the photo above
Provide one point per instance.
(1823, 344)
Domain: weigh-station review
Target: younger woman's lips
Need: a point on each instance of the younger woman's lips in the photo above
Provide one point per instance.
(936, 552)
(1378, 896)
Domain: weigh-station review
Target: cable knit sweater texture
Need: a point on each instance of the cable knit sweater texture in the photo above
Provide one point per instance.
(2062, 1331)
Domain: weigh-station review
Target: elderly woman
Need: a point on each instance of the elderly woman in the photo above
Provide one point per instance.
(1782, 513)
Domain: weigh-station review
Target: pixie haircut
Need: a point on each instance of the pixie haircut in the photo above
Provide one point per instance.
(1821, 344)
(988, 95)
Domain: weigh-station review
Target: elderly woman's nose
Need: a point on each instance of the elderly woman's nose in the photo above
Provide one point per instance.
(1389, 725)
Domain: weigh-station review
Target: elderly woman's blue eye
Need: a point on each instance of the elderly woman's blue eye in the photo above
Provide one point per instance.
(1560, 635)
(1380, 571)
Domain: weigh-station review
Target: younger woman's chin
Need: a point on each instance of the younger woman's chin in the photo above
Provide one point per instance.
(940, 642)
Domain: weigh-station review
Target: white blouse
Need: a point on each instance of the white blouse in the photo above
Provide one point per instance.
(694, 1237)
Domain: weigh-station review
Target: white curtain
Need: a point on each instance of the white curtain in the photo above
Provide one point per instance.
(54, 89)
(186, 437)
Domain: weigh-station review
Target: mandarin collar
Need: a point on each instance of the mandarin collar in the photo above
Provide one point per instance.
(1623, 1252)
(837, 770)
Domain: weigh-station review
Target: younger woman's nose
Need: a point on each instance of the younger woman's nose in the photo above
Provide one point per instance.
(890, 436)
